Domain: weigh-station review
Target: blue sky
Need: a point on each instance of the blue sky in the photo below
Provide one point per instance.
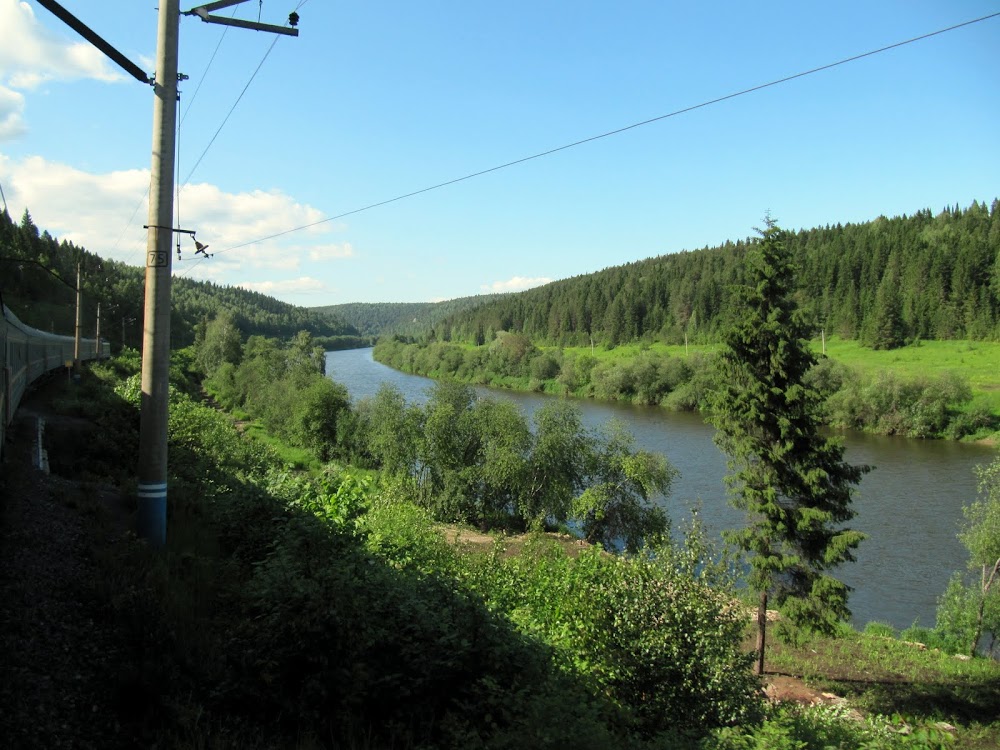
(377, 99)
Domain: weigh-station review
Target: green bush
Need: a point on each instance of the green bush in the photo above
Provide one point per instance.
(664, 647)
(890, 405)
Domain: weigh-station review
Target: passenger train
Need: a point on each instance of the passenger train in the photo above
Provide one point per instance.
(26, 354)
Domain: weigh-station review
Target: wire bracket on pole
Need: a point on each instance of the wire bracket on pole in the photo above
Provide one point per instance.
(160, 258)
(203, 12)
(192, 232)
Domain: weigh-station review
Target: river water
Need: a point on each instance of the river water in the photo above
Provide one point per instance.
(909, 505)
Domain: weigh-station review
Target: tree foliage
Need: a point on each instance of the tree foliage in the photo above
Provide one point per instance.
(981, 536)
(923, 276)
(790, 479)
(282, 385)
(477, 460)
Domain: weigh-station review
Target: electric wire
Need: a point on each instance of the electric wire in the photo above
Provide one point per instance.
(610, 133)
(231, 110)
(187, 111)
(208, 67)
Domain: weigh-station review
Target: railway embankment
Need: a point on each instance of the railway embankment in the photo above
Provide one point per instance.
(66, 663)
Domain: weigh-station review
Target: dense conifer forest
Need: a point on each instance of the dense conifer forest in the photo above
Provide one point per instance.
(402, 318)
(38, 277)
(882, 282)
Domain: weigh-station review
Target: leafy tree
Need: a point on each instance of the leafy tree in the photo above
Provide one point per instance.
(791, 480)
(221, 343)
(981, 536)
(616, 504)
(316, 415)
(504, 446)
(558, 465)
(390, 430)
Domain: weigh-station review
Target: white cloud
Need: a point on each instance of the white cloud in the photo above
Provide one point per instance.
(105, 213)
(287, 287)
(11, 114)
(31, 54)
(246, 217)
(515, 284)
(331, 252)
(91, 210)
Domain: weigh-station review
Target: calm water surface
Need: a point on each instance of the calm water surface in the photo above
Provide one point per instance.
(910, 505)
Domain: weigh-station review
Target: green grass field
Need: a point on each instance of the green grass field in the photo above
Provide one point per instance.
(976, 361)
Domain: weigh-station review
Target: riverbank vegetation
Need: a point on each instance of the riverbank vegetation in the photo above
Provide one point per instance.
(463, 458)
(332, 608)
(327, 610)
(941, 389)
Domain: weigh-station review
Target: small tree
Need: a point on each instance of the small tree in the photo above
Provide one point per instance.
(981, 536)
(791, 480)
(220, 343)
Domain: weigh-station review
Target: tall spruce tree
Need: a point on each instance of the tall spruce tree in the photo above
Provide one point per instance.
(885, 328)
(790, 480)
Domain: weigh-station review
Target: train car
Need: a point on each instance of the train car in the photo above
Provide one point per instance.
(4, 383)
(26, 354)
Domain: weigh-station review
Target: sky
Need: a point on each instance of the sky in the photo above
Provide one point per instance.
(382, 98)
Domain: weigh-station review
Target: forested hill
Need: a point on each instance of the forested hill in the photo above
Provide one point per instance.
(883, 282)
(32, 262)
(404, 318)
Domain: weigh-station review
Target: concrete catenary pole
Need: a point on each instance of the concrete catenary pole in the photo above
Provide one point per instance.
(79, 321)
(97, 334)
(152, 490)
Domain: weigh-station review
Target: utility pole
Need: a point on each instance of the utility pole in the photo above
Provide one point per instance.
(152, 485)
(152, 489)
(97, 335)
(79, 313)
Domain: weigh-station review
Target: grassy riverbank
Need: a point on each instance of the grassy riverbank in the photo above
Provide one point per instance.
(976, 361)
(930, 389)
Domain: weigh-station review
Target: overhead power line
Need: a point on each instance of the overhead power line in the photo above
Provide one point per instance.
(617, 131)
(231, 110)
(187, 111)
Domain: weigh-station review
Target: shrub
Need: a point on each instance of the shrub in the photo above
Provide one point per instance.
(544, 367)
(879, 630)
(890, 405)
(955, 623)
(664, 647)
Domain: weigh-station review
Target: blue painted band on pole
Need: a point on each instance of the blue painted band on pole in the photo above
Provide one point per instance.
(152, 512)
(153, 490)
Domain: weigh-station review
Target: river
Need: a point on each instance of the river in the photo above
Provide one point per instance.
(909, 505)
